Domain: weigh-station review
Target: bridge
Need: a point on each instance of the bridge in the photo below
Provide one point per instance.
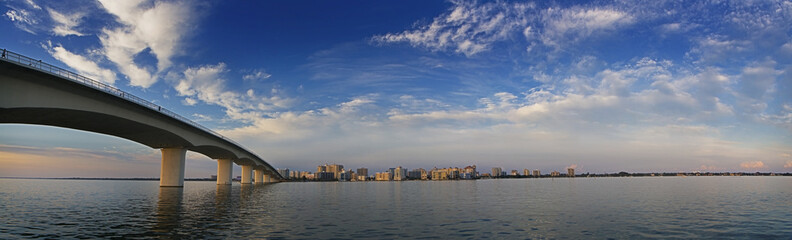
(33, 92)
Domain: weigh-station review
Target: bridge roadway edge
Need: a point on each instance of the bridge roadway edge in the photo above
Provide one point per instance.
(15, 78)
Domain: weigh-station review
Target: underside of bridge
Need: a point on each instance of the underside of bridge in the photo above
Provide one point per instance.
(33, 94)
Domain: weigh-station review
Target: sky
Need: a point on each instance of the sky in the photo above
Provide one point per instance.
(600, 86)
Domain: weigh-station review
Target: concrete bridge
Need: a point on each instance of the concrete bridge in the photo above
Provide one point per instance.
(32, 92)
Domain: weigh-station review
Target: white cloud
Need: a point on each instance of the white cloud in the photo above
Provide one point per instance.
(468, 29)
(563, 26)
(256, 75)
(788, 164)
(23, 19)
(752, 165)
(717, 48)
(32, 4)
(156, 26)
(189, 101)
(83, 65)
(65, 24)
(471, 28)
(207, 84)
(758, 79)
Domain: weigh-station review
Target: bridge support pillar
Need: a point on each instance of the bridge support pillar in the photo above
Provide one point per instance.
(172, 169)
(267, 178)
(247, 171)
(258, 176)
(224, 171)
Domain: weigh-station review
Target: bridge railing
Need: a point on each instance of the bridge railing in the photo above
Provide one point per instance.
(25, 61)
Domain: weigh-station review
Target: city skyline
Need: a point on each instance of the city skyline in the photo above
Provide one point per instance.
(605, 86)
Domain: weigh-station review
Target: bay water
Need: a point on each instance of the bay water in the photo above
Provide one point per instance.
(744, 207)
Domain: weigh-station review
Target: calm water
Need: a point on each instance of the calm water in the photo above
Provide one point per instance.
(620, 208)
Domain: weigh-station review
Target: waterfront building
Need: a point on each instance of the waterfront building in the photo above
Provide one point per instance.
(496, 172)
(514, 173)
(571, 172)
(537, 173)
(345, 176)
(466, 176)
(335, 169)
(416, 173)
(300, 175)
(424, 175)
(324, 176)
(526, 172)
(362, 171)
(440, 174)
(398, 174)
(471, 171)
(383, 176)
(555, 174)
(453, 173)
(284, 172)
(362, 178)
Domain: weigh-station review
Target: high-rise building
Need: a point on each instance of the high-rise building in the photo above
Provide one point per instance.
(399, 174)
(471, 171)
(324, 176)
(416, 173)
(496, 172)
(362, 172)
(284, 173)
(570, 172)
(424, 175)
(526, 172)
(383, 176)
(555, 174)
(537, 173)
(440, 174)
(335, 169)
(345, 176)
(514, 173)
(468, 173)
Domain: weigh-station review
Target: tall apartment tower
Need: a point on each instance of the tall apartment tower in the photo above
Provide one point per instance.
(398, 174)
(362, 172)
(496, 172)
(571, 172)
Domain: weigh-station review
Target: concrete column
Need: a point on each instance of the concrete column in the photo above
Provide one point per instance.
(267, 179)
(247, 171)
(258, 176)
(172, 169)
(224, 171)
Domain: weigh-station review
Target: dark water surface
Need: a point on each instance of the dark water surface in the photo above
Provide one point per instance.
(619, 208)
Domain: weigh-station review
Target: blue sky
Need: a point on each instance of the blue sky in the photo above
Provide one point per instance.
(601, 86)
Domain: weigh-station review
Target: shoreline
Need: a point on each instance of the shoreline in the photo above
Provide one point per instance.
(616, 175)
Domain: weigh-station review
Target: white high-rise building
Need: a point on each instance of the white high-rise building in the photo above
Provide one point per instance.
(398, 174)
(496, 172)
